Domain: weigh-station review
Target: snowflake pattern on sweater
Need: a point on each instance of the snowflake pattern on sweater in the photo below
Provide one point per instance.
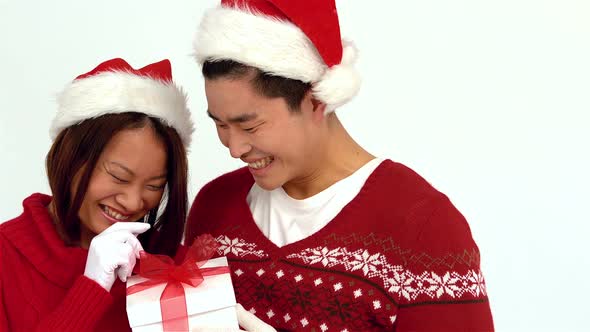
(303, 289)
(397, 280)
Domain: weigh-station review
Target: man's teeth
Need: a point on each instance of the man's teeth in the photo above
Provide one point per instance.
(261, 163)
(114, 214)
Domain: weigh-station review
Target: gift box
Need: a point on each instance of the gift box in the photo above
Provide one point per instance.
(166, 297)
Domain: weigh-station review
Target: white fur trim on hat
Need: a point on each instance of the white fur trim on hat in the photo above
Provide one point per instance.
(277, 47)
(120, 92)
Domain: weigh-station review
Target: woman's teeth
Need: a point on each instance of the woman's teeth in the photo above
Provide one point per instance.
(113, 214)
(261, 163)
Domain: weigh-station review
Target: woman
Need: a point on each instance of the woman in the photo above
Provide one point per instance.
(117, 169)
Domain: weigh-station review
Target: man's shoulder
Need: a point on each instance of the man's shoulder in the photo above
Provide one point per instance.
(235, 178)
(400, 180)
(216, 200)
(238, 182)
(403, 192)
(428, 212)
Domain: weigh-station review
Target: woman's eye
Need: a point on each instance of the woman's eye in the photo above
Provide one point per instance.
(156, 188)
(118, 179)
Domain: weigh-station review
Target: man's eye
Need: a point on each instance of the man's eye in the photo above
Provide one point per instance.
(251, 129)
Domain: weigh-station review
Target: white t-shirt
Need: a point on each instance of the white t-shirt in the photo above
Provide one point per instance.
(284, 220)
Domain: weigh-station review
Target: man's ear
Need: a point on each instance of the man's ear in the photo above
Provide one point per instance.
(317, 105)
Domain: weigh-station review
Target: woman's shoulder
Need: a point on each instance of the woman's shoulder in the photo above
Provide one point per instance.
(34, 207)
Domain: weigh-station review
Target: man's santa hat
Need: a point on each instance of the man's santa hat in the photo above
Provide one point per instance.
(115, 87)
(297, 39)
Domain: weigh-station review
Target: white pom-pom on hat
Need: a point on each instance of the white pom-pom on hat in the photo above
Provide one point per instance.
(341, 82)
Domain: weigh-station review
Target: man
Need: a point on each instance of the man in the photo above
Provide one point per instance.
(320, 234)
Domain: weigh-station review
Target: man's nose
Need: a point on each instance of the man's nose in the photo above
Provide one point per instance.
(238, 145)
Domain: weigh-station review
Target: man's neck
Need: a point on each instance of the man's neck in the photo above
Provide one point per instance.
(340, 157)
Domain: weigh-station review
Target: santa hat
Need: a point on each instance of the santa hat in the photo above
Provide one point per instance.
(115, 87)
(297, 39)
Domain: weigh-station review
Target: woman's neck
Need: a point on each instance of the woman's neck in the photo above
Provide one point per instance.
(60, 229)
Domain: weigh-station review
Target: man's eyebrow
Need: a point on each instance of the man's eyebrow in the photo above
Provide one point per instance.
(212, 116)
(237, 119)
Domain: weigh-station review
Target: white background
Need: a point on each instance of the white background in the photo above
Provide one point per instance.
(488, 100)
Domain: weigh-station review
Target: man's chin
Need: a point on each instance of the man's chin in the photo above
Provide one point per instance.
(268, 185)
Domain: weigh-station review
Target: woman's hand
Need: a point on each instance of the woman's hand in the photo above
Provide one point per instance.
(113, 253)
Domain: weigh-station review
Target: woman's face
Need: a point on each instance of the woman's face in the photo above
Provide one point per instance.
(126, 183)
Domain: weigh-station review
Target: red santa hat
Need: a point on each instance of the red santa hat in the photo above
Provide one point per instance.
(115, 87)
(298, 39)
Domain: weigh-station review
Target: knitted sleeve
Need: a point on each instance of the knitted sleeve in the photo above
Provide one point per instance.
(82, 308)
(194, 222)
(211, 198)
(3, 320)
(443, 288)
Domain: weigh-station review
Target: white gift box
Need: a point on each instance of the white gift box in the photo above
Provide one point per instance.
(209, 305)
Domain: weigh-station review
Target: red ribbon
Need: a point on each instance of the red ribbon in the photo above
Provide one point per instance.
(159, 269)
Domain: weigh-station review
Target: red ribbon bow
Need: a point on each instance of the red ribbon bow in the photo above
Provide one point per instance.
(159, 269)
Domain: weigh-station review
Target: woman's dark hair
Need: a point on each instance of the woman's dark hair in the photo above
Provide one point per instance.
(271, 86)
(77, 150)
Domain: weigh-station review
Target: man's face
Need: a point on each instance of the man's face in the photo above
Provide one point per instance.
(278, 145)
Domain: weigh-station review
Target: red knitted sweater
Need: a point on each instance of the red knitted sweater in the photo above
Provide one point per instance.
(41, 280)
(398, 257)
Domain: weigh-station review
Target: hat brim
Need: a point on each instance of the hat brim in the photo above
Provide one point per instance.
(120, 92)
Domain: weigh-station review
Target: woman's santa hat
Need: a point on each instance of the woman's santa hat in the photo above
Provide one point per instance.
(297, 39)
(115, 87)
